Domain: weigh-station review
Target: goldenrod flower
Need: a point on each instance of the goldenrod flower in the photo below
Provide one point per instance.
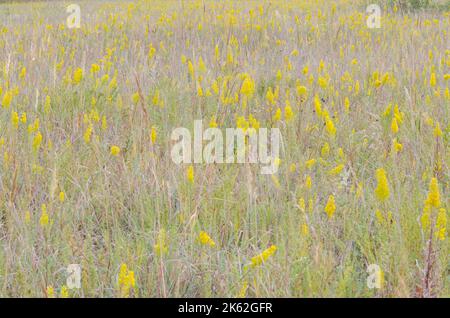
(62, 196)
(151, 51)
(126, 280)
(310, 163)
(153, 135)
(37, 140)
(288, 113)
(23, 73)
(156, 98)
(135, 98)
(205, 239)
(396, 145)
(87, 134)
(191, 69)
(433, 198)
(213, 122)
(104, 123)
(115, 150)
(43, 220)
(270, 96)
(15, 119)
(277, 115)
(199, 90)
(379, 216)
(330, 127)
(398, 115)
(201, 65)
(308, 182)
(318, 106)
(7, 98)
(330, 207)
(190, 174)
(95, 68)
(304, 229)
(77, 76)
(347, 104)
(425, 218)
(437, 132)
(441, 224)
(433, 79)
(50, 292)
(261, 258)
(394, 125)
(382, 189)
(302, 91)
(33, 127)
(301, 204)
(64, 292)
(243, 290)
(336, 170)
(325, 151)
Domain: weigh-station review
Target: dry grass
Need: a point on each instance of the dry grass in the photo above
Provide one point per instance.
(117, 208)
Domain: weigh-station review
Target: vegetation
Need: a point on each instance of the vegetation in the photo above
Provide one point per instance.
(86, 175)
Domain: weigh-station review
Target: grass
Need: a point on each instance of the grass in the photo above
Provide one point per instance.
(140, 209)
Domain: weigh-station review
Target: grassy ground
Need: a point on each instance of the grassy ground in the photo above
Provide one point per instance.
(348, 100)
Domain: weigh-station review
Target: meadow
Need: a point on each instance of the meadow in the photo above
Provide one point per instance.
(359, 204)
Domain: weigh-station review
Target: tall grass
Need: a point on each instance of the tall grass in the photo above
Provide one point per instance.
(140, 209)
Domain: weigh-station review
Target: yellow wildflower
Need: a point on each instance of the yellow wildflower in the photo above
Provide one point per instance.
(43, 220)
(261, 258)
(77, 76)
(330, 127)
(382, 189)
(50, 292)
(288, 113)
(153, 135)
(243, 290)
(126, 280)
(433, 79)
(336, 170)
(248, 87)
(437, 132)
(394, 125)
(64, 292)
(396, 145)
(441, 224)
(87, 134)
(433, 194)
(62, 196)
(325, 151)
(190, 174)
(7, 98)
(37, 140)
(308, 182)
(205, 239)
(310, 163)
(330, 207)
(15, 119)
(115, 150)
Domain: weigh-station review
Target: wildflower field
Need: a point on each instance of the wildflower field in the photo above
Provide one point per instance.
(359, 204)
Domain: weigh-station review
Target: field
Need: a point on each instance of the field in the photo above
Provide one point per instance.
(359, 204)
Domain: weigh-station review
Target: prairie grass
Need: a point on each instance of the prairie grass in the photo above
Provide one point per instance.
(132, 218)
